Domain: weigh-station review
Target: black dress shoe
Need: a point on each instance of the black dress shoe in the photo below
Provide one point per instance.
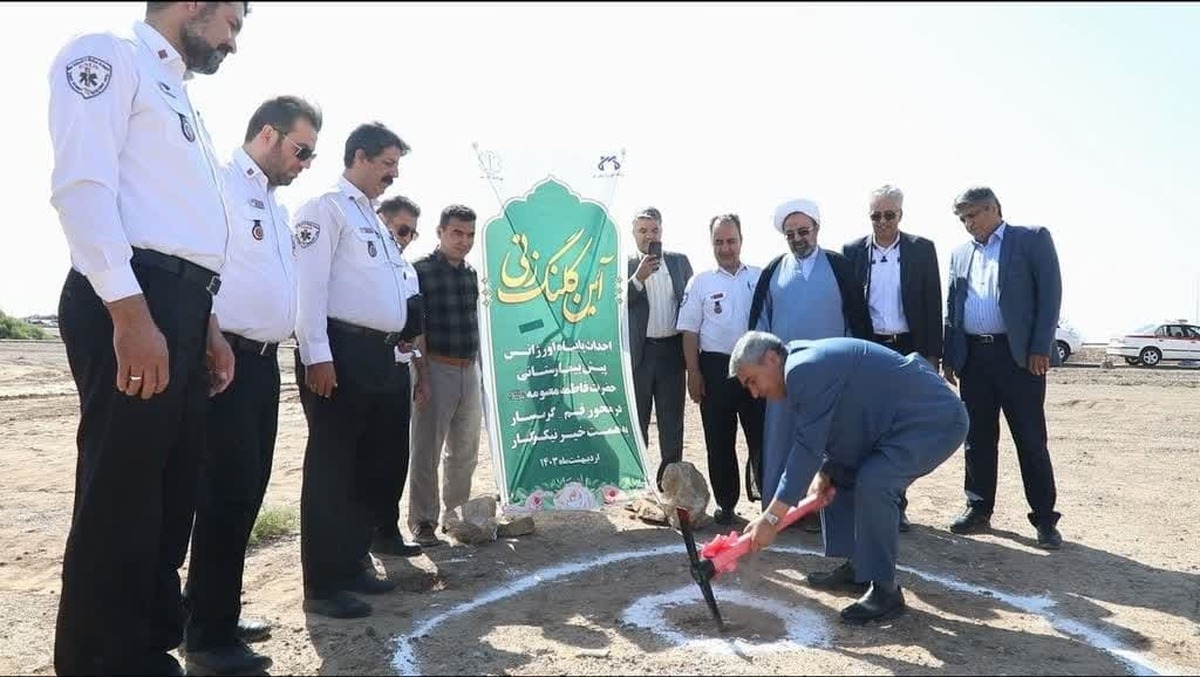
(237, 659)
(340, 604)
(879, 604)
(905, 525)
(840, 579)
(1048, 538)
(973, 520)
(723, 517)
(426, 536)
(251, 630)
(393, 544)
(369, 584)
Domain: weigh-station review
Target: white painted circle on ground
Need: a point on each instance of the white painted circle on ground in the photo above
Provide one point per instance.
(803, 628)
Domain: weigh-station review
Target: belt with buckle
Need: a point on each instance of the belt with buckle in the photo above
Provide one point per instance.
(210, 281)
(389, 337)
(986, 338)
(453, 361)
(889, 338)
(245, 345)
(664, 339)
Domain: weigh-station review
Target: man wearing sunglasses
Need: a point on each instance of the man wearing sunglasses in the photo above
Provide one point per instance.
(900, 278)
(808, 293)
(257, 310)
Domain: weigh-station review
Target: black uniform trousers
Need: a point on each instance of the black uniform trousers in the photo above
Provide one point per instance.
(354, 433)
(385, 468)
(991, 382)
(725, 401)
(903, 344)
(135, 484)
(242, 423)
(659, 381)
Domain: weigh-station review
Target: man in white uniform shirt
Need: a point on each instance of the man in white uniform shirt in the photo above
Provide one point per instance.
(714, 315)
(351, 317)
(137, 192)
(257, 310)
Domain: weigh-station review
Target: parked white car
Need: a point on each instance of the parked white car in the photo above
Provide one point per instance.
(1173, 340)
(1067, 340)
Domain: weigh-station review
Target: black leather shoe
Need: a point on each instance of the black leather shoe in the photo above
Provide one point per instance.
(840, 579)
(340, 604)
(369, 584)
(251, 630)
(1048, 538)
(393, 544)
(426, 536)
(905, 525)
(876, 605)
(973, 520)
(723, 517)
(237, 659)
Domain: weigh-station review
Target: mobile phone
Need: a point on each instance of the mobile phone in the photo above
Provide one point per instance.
(654, 249)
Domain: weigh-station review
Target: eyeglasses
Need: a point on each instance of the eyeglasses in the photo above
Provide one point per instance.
(798, 234)
(405, 231)
(303, 153)
(889, 215)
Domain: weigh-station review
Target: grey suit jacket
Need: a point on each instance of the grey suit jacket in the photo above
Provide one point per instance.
(920, 287)
(680, 270)
(1030, 296)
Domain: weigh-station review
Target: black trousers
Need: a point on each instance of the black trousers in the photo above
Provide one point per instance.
(348, 434)
(242, 423)
(660, 381)
(385, 467)
(991, 382)
(135, 484)
(903, 344)
(725, 401)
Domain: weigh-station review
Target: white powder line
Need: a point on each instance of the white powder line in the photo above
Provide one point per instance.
(404, 660)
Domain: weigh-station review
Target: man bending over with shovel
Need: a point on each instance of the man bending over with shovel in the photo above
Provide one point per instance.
(877, 420)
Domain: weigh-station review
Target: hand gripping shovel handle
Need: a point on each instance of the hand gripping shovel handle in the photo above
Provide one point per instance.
(724, 551)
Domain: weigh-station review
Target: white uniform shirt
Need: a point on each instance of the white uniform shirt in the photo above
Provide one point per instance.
(349, 269)
(133, 164)
(716, 306)
(258, 283)
(412, 286)
(887, 310)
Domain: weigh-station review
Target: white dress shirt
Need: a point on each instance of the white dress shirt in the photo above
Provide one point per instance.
(349, 269)
(883, 297)
(258, 283)
(716, 306)
(660, 295)
(133, 164)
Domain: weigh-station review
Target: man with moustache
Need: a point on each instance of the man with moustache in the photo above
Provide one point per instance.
(714, 314)
(383, 480)
(809, 293)
(902, 283)
(1001, 315)
(449, 363)
(257, 310)
(135, 184)
(351, 314)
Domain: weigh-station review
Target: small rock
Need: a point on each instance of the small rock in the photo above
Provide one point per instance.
(593, 653)
(684, 486)
(473, 522)
(512, 528)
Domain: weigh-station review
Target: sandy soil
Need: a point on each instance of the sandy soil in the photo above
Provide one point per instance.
(1126, 446)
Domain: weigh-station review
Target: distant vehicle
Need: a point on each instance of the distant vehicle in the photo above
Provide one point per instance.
(1067, 340)
(1173, 340)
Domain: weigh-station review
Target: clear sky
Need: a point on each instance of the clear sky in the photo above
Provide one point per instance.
(1084, 118)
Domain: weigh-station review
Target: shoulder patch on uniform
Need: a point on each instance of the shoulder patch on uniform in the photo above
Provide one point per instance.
(307, 233)
(89, 76)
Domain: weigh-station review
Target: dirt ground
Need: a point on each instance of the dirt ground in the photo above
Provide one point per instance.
(1126, 448)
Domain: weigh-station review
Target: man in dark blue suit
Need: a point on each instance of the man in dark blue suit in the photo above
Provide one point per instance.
(1002, 309)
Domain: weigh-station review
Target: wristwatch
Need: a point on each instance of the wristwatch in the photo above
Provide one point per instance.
(771, 518)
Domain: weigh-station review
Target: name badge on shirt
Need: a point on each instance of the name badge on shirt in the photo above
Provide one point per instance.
(716, 299)
(257, 203)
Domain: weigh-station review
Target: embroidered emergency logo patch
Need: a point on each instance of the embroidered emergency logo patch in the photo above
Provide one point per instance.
(307, 233)
(89, 76)
(185, 126)
(257, 230)
(372, 250)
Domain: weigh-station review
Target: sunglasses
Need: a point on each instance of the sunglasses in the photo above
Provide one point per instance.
(889, 215)
(303, 153)
(405, 231)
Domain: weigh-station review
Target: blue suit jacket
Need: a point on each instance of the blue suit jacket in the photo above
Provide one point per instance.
(1030, 296)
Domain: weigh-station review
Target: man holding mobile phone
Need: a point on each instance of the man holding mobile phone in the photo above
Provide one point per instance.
(657, 280)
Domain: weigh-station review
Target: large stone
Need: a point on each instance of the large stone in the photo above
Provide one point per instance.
(683, 486)
(473, 522)
(515, 526)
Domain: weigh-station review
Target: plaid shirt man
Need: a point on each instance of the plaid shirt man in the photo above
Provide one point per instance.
(450, 295)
